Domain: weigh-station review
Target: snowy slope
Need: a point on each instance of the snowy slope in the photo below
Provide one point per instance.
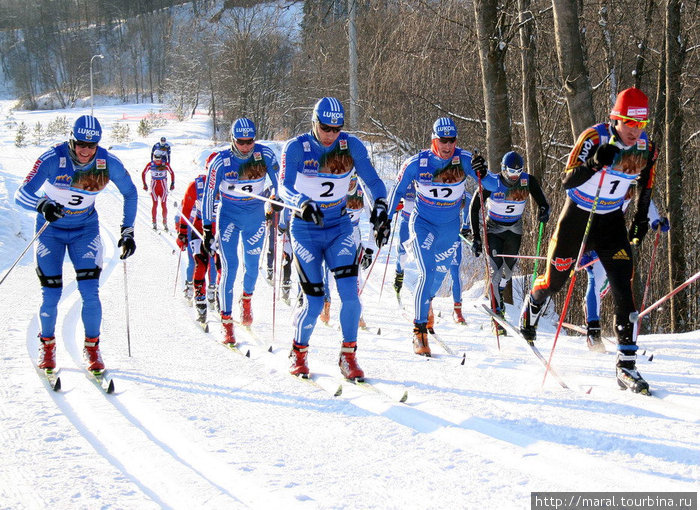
(194, 425)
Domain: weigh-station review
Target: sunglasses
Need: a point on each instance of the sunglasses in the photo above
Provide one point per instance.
(246, 141)
(85, 145)
(451, 139)
(634, 123)
(329, 129)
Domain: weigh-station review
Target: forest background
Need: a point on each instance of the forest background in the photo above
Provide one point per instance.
(523, 75)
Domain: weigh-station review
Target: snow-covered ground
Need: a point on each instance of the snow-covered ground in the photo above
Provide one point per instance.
(194, 425)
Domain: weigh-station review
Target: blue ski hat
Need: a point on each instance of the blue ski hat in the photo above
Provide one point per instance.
(329, 111)
(242, 128)
(444, 127)
(87, 129)
(512, 165)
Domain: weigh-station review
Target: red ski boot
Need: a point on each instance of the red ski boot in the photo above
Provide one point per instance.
(348, 363)
(227, 330)
(298, 357)
(92, 355)
(420, 339)
(246, 312)
(457, 314)
(47, 353)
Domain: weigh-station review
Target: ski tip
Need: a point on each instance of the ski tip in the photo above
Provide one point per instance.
(339, 391)
(404, 397)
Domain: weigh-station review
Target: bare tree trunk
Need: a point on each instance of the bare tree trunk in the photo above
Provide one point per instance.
(531, 116)
(674, 163)
(492, 51)
(572, 65)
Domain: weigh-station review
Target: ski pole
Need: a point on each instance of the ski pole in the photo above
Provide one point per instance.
(275, 219)
(126, 302)
(651, 267)
(581, 250)
(370, 271)
(177, 272)
(36, 236)
(388, 252)
(635, 316)
(189, 223)
(539, 243)
(269, 200)
(489, 281)
(536, 257)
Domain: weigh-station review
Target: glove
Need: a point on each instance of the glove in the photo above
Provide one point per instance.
(311, 212)
(182, 241)
(399, 206)
(465, 232)
(637, 231)
(604, 156)
(276, 207)
(145, 188)
(661, 223)
(380, 220)
(479, 166)
(127, 243)
(543, 216)
(367, 256)
(51, 210)
(209, 243)
(172, 186)
(476, 247)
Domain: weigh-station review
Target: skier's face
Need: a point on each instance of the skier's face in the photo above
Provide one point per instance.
(327, 135)
(85, 151)
(446, 147)
(628, 134)
(245, 145)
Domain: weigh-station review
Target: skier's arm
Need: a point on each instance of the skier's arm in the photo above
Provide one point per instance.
(211, 188)
(537, 193)
(292, 161)
(122, 180)
(172, 175)
(406, 176)
(366, 171)
(143, 174)
(273, 169)
(26, 195)
(188, 202)
(578, 170)
(645, 185)
(475, 213)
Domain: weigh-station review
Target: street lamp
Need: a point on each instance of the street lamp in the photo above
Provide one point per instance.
(92, 97)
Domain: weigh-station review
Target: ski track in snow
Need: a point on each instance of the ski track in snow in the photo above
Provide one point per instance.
(194, 425)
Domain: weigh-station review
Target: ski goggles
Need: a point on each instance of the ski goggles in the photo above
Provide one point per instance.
(633, 123)
(513, 173)
(244, 141)
(448, 139)
(329, 129)
(85, 145)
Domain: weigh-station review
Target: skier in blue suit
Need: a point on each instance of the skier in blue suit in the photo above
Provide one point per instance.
(439, 175)
(316, 171)
(62, 188)
(241, 217)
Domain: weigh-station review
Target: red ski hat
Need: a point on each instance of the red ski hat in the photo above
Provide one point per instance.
(631, 104)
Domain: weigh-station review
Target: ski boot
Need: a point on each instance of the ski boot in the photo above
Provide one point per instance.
(200, 304)
(47, 353)
(348, 364)
(496, 327)
(227, 329)
(626, 370)
(361, 323)
(457, 314)
(286, 285)
(325, 316)
(398, 282)
(189, 291)
(155, 226)
(298, 357)
(92, 355)
(431, 319)
(211, 296)
(165, 226)
(246, 312)
(270, 277)
(529, 318)
(593, 338)
(420, 339)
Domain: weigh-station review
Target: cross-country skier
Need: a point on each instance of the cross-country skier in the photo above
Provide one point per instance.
(316, 171)
(163, 146)
(622, 149)
(159, 169)
(504, 222)
(439, 175)
(241, 217)
(62, 187)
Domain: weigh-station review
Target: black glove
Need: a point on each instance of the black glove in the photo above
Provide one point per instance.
(127, 243)
(604, 156)
(476, 247)
(209, 242)
(380, 220)
(367, 256)
(543, 215)
(276, 207)
(479, 166)
(51, 210)
(311, 212)
(638, 230)
(466, 232)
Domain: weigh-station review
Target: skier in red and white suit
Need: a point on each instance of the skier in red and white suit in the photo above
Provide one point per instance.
(159, 169)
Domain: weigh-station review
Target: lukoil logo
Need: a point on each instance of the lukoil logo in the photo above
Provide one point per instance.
(89, 133)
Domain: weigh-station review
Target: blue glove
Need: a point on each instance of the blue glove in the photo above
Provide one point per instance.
(662, 223)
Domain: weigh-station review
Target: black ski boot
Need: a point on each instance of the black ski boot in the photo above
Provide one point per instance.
(200, 305)
(627, 375)
(528, 319)
(398, 282)
(593, 339)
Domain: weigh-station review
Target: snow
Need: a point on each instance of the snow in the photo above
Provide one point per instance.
(194, 425)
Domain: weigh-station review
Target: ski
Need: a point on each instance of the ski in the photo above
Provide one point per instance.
(252, 334)
(102, 380)
(313, 380)
(52, 378)
(372, 387)
(440, 341)
(508, 326)
(237, 349)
